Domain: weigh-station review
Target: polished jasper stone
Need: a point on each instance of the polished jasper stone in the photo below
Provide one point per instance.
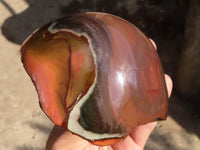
(96, 75)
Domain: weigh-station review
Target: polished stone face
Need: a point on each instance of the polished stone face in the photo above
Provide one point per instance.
(96, 75)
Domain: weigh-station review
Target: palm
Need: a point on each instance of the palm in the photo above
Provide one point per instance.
(60, 139)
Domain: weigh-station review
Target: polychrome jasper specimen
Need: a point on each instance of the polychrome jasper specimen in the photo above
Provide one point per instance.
(96, 75)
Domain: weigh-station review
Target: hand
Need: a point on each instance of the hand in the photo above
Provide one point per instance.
(60, 139)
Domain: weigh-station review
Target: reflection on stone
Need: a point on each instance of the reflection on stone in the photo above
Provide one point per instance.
(98, 66)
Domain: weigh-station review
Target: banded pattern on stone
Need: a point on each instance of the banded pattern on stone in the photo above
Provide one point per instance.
(96, 75)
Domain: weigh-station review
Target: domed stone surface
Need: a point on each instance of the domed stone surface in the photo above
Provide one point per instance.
(96, 75)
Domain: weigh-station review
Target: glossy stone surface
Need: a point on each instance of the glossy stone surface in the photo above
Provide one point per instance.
(96, 75)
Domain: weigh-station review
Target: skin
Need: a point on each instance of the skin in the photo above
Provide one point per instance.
(60, 139)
